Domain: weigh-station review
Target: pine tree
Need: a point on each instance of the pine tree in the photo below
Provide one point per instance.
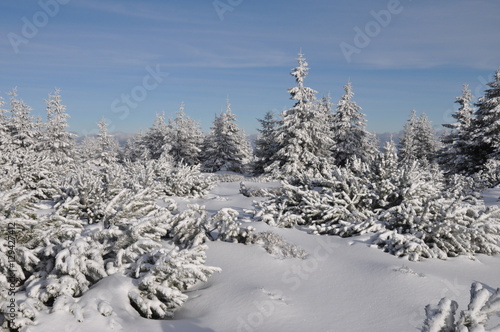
(186, 138)
(265, 145)
(303, 134)
(56, 140)
(226, 148)
(350, 138)
(486, 138)
(454, 156)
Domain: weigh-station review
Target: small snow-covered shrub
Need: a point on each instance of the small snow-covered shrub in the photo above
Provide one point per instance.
(441, 227)
(16, 202)
(491, 172)
(190, 227)
(59, 258)
(162, 275)
(341, 206)
(186, 181)
(277, 245)
(437, 218)
(255, 191)
(225, 227)
(482, 306)
(227, 177)
(282, 209)
(106, 194)
(87, 191)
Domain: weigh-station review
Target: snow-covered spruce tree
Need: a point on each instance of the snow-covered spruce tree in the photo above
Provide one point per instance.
(303, 135)
(385, 177)
(156, 139)
(185, 138)
(265, 144)
(408, 146)
(134, 150)
(483, 305)
(57, 143)
(486, 137)
(226, 148)
(21, 164)
(107, 145)
(454, 157)
(101, 149)
(426, 139)
(21, 125)
(325, 105)
(350, 138)
(418, 142)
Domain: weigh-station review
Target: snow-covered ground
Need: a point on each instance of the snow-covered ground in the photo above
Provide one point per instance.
(343, 285)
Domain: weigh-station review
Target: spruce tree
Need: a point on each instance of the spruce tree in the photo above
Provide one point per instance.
(226, 148)
(186, 138)
(57, 142)
(350, 138)
(156, 139)
(302, 137)
(385, 177)
(454, 156)
(21, 125)
(408, 142)
(265, 145)
(106, 145)
(418, 142)
(427, 145)
(486, 137)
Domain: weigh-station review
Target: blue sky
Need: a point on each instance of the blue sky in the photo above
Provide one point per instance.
(399, 56)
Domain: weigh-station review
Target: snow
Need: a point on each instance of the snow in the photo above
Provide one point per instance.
(344, 284)
(492, 196)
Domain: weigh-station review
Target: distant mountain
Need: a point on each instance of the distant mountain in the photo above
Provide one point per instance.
(122, 137)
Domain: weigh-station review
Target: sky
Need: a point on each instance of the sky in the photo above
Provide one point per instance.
(128, 60)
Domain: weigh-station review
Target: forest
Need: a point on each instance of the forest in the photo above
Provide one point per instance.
(75, 212)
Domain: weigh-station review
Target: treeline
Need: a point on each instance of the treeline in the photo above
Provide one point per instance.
(306, 139)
